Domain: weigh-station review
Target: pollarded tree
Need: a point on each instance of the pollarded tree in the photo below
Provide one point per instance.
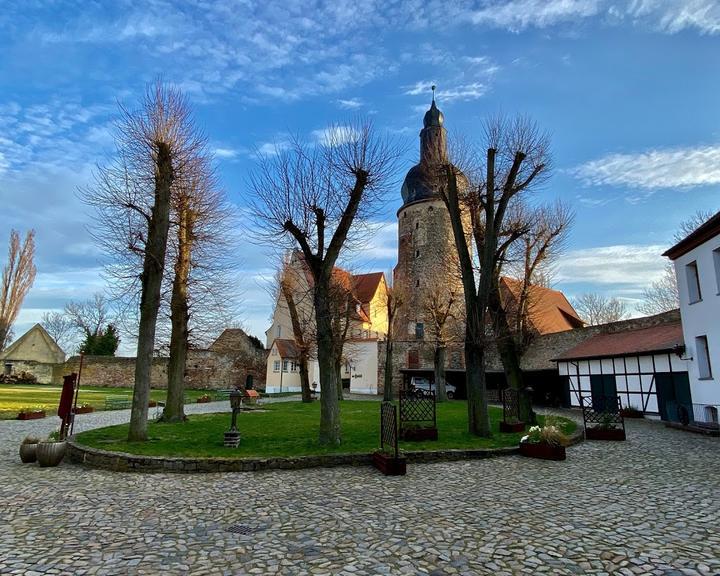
(156, 146)
(316, 198)
(515, 161)
(17, 279)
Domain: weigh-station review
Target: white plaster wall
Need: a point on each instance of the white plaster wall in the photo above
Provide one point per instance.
(364, 372)
(701, 319)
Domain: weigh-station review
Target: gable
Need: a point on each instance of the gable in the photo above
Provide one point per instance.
(35, 345)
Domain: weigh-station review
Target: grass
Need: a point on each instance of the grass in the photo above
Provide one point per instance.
(14, 397)
(290, 429)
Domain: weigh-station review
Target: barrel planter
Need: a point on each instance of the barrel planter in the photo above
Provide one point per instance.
(542, 450)
(28, 453)
(34, 415)
(50, 453)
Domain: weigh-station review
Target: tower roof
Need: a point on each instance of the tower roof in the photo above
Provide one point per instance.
(433, 117)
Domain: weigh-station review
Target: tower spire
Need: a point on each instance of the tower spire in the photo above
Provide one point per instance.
(433, 92)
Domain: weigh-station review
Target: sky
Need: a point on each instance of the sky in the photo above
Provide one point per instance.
(627, 90)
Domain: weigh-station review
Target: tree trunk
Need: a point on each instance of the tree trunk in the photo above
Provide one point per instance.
(299, 336)
(174, 410)
(338, 371)
(388, 376)
(329, 404)
(478, 420)
(439, 365)
(151, 282)
(304, 377)
(507, 347)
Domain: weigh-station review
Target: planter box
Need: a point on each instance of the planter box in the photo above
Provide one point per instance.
(28, 453)
(31, 415)
(152, 403)
(542, 450)
(203, 400)
(389, 465)
(50, 453)
(512, 427)
(418, 434)
(84, 410)
(605, 434)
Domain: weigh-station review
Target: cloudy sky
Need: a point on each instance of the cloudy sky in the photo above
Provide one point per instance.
(628, 91)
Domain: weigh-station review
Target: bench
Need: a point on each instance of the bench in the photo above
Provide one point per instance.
(117, 402)
(221, 395)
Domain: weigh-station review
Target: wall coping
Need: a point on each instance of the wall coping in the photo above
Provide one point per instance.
(125, 462)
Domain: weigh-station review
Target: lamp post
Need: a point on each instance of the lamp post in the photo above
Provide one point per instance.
(232, 436)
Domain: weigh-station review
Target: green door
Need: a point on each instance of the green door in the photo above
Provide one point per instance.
(602, 387)
(673, 392)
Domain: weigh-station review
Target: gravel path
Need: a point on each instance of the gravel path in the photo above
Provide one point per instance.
(650, 505)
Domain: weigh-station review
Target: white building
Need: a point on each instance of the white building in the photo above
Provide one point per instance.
(697, 268)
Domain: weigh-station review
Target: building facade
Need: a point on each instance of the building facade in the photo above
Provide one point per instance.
(696, 259)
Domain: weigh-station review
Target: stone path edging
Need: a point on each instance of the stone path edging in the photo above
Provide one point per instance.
(125, 462)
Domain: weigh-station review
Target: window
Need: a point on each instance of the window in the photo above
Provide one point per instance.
(693, 282)
(419, 330)
(8, 369)
(716, 261)
(417, 225)
(276, 366)
(278, 330)
(285, 365)
(417, 283)
(293, 367)
(417, 253)
(703, 357)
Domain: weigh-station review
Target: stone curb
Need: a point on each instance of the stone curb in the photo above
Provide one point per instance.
(124, 462)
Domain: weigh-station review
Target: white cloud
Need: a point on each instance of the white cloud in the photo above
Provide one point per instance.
(672, 16)
(350, 103)
(226, 153)
(662, 168)
(626, 265)
(518, 15)
(335, 135)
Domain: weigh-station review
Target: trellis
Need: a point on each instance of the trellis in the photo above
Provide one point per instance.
(418, 416)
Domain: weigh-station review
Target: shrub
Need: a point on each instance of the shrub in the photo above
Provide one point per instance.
(30, 440)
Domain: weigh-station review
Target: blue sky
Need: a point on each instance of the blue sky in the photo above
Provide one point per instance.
(628, 91)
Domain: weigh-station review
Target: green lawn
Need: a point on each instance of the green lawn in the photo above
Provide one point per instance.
(17, 396)
(290, 429)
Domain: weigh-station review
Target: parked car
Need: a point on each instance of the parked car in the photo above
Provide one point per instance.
(423, 386)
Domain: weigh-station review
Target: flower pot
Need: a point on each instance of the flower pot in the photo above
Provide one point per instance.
(28, 453)
(418, 434)
(84, 410)
(31, 415)
(50, 453)
(542, 450)
(202, 400)
(152, 403)
(512, 427)
(604, 433)
(389, 465)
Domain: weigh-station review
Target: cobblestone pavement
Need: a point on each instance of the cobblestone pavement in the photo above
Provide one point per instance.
(650, 505)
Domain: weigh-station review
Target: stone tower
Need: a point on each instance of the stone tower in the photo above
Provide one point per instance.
(427, 257)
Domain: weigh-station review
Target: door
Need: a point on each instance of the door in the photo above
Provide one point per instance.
(673, 392)
(603, 391)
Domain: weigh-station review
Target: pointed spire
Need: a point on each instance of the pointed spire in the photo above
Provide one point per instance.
(433, 117)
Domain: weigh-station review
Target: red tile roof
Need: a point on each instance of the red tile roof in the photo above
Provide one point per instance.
(286, 348)
(550, 311)
(661, 338)
(365, 285)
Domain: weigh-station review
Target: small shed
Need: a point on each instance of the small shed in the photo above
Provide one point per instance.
(35, 352)
(644, 367)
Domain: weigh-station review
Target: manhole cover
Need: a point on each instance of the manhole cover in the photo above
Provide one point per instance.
(243, 529)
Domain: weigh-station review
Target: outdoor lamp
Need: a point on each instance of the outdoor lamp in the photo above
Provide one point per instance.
(232, 436)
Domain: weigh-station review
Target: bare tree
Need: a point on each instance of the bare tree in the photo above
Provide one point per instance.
(316, 198)
(515, 162)
(393, 301)
(598, 309)
(61, 328)
(439, 308)
(89, 316)
(692, 223)
(132, 200)
(662, 295)
(17, 279)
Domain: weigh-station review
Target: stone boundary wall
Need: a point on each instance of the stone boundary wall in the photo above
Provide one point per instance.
(41, 370)
(124, 462)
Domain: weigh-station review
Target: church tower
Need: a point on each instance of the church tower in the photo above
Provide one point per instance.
(427, 258)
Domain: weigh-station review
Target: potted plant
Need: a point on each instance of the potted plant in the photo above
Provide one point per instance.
(204, 399)
(546, 442)
(84, 409)
(632, 412)
(28, 449)
(33, 413)
(152, 403)
(51, 451)
(607, 430)
(389, 464)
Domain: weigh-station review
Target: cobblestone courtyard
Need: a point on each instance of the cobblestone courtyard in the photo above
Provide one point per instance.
(650, 505)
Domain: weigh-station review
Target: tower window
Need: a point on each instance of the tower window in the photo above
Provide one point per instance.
(417, 283)
(417, 253)
(417, 225)
(420, 331)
